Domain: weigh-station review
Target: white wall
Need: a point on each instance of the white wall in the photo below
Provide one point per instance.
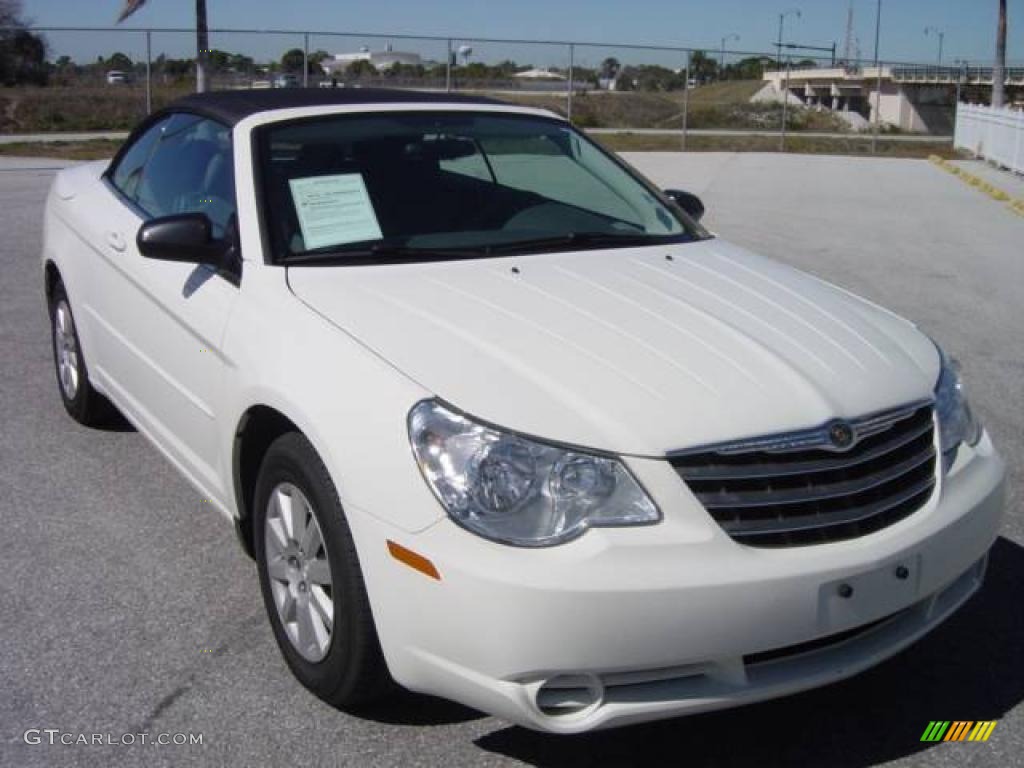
(994, 134)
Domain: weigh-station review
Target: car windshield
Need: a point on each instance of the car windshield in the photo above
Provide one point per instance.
(400, 185)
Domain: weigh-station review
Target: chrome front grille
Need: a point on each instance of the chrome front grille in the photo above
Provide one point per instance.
(803, 488)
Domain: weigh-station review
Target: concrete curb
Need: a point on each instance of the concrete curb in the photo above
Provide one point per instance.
(1016, 205)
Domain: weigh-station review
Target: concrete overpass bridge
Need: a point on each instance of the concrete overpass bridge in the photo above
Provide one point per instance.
(917, 99)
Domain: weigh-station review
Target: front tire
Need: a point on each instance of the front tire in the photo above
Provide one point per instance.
(311, 581)
(83, 403)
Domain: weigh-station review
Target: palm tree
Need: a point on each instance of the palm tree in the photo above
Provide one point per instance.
(999, 70)
(202, 36)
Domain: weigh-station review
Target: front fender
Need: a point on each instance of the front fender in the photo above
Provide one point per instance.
(348, 402)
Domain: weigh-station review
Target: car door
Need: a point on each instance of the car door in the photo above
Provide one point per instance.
(163, 321)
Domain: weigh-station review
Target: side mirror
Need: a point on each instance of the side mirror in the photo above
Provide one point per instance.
(186, 237)
(688, 201)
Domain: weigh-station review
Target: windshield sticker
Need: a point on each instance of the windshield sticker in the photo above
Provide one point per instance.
(334, 210)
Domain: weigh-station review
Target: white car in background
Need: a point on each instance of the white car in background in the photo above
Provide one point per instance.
(500, 421)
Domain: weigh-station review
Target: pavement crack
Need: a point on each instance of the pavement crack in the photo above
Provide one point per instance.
(166, 702)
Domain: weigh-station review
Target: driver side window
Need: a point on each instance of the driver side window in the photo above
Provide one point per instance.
(188, 169)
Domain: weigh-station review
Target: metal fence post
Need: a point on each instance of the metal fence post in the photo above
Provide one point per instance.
(785, 105)
(305, 60)
(448, 68)
(572, 56)
(686, 99)
(149, 72)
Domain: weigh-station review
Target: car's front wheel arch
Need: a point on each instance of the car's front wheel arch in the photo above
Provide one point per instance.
(257, 429)
(51, 278)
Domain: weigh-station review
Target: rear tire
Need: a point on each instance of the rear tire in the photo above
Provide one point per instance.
(312, 584)
(83, 403)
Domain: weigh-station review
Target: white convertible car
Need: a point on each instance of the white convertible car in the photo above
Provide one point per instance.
(500, 421)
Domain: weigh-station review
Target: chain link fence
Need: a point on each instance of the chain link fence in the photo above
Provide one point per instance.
(633, 96)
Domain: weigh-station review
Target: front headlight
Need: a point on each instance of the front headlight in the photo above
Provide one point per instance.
(956, 421)
(520, 491)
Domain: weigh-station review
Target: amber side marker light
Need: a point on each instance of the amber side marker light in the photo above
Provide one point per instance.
(415, 561)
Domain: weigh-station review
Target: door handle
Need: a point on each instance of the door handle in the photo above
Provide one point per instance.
(116, 241)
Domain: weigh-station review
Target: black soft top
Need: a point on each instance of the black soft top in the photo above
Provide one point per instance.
(231, 107)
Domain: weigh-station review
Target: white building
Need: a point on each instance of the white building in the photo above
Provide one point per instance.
(539, 74)
(381, 60)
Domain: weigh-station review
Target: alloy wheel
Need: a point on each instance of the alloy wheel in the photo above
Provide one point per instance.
(299, 572)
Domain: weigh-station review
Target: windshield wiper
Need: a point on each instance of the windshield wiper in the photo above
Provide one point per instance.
(385, 253)
(574, 240)
(380, 253)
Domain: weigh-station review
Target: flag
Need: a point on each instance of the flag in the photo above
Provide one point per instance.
(130, 7)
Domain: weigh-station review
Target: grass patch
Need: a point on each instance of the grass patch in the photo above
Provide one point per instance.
(78, 108)
(98, 149)
(722, 106)
(628, 142)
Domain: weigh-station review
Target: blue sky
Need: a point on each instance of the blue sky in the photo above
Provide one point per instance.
(969, 25)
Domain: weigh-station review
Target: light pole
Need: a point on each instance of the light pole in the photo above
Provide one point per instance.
(782, 23)
(721, 61)
(961, 72)
(941, 36)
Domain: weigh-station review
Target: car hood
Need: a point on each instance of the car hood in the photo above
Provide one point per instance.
(637, 351)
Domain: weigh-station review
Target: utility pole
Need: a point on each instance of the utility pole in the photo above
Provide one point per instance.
(202, 45)
(782, 23)
(999, 70)
(849, 44)
(961, 72)
(940, 34)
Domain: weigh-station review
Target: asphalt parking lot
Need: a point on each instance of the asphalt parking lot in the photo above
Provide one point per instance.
(127, 607)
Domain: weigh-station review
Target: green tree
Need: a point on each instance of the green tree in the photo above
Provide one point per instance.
(751, 68)
(241, 64)
(610, 67)
(361, 68)
(702, 67)
(649, 77)
(118, 61)
(316, 62)
(292, 60)
(22, 54)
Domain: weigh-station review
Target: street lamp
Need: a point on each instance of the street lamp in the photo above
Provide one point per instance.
(961, 74)
(782, 22)
(941, 35)
(721, 61)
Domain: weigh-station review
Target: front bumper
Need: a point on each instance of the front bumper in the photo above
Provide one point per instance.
(634, 624)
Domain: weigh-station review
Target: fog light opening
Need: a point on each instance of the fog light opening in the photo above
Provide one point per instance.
(570, 695)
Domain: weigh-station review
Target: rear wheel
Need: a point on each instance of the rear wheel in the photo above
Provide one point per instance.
(311, 581)
(83, 403)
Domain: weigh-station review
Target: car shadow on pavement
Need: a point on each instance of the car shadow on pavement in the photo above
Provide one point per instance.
(115, 422)
(407, 708)
(970, 668)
